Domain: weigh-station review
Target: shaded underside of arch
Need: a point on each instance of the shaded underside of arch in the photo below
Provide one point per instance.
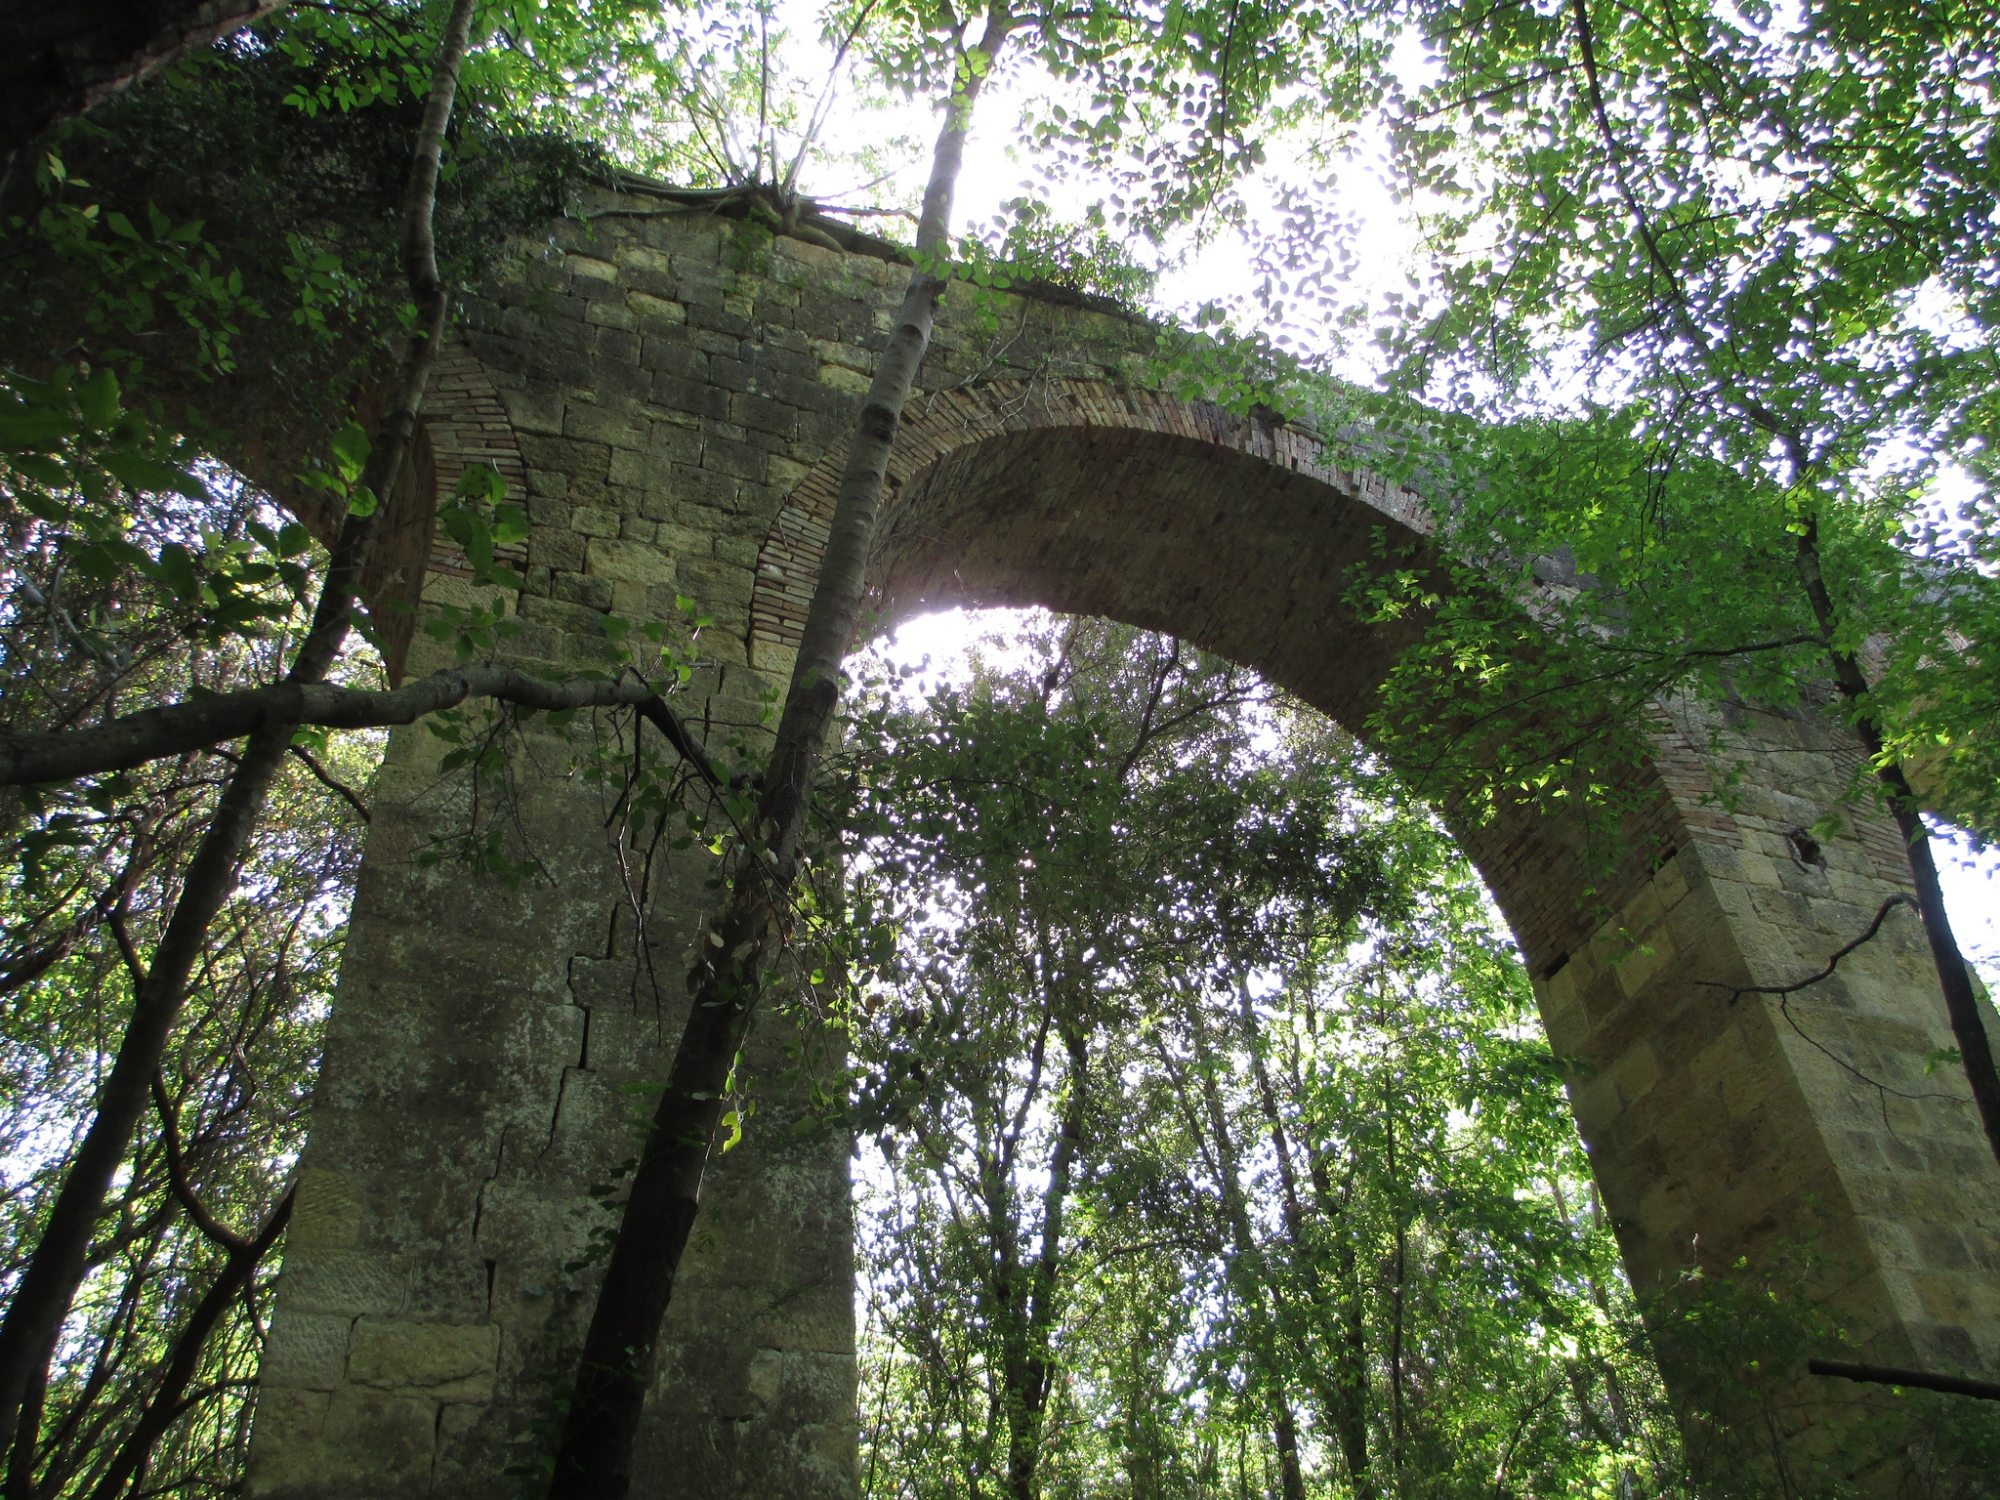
(1238, 536)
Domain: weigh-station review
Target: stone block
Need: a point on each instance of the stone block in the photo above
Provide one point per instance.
(633, 468)
(842, 379)
(340, 1281)
(655, 312)
(326, 1212)
(564, 616)
(616, 346)
(1649, 956)
(610, 313)
(691, 396)
(534, 410)
(557, 549)
(445, 1361)
(589, 267)
(613, 428)
(738, 460)
(629, 562)
(308, 1351)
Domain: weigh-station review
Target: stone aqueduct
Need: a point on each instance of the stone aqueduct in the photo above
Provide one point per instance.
(672, 401)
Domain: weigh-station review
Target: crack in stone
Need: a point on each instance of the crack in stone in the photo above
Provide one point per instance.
(582, 1063)
(479, 1198)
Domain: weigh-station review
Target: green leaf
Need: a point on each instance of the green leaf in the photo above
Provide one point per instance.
(33, 429)
(350, 451)
(43, 471)
(97, 398)
(149, 475)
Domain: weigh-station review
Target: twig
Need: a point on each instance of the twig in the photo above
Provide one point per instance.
(177, 1178)
(333, 783)
(1737, 992)
(1784, 992)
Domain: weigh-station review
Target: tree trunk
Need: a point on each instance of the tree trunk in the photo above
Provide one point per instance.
(57, 60)
(1350, 1381)
(238, 1267)
(1343, 1398)
(49, 1282)
(593, 1461)
(1029, 1369)
(1975, 1050)
(1396, 1274)
(1252, 1277)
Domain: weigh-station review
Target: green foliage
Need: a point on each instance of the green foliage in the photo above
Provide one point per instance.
(1094, 886)
(1207, 1095)
(91, 874)
(1725, 272)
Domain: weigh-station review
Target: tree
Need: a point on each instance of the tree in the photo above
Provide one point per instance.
(1727, 270)
(161, 1342)
(1327, 1226)
(1010, 840)
(1294, 1225)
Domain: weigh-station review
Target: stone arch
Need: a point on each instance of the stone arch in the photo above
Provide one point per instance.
(673, 414)
(1173, 515)
(1717, 1128)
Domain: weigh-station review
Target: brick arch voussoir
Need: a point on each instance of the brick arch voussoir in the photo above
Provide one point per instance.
(463, 423)
(937, 426)
(945, 440)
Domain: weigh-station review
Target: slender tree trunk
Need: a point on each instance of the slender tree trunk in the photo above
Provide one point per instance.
(1350, 1381)
(1252, 1277)
(1029, 1371)
(1396, 1274)
(49, 1282)
(1975, 1050)
(1343, 1398)
(593, 1461)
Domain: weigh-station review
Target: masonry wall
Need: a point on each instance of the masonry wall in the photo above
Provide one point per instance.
(655, 387)
(671, 393)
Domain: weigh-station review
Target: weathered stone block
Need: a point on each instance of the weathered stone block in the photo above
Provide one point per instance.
(308, 1351)
(446, 1361)
(341, 1281)
(630, 562)
(326, 1213)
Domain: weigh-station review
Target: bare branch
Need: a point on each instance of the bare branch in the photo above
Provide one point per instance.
(201, 723)
(331, 782)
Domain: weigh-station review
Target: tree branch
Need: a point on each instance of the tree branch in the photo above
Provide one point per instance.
(200, 723)
(1957, 1385)
(177, 1178)
(167, 1404)
(331, 782)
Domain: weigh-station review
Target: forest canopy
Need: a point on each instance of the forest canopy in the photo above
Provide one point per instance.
(1211, 1143)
